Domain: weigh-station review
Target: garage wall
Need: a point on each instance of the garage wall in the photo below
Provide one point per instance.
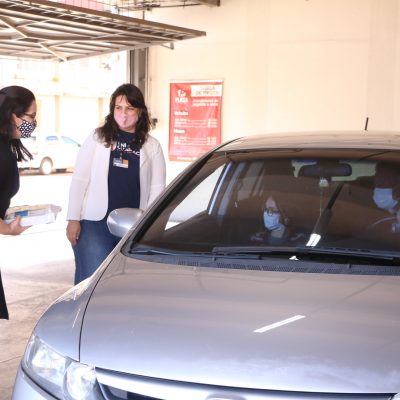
(287, 65)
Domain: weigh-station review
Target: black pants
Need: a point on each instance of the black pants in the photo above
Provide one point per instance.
(3, 304)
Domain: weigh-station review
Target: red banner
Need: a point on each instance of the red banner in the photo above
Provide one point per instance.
(195, 118)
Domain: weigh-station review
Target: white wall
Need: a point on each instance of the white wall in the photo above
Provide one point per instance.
(287, 65)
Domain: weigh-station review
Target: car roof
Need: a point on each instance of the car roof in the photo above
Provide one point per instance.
(387, 140)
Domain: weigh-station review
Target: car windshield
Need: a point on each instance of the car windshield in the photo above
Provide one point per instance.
(345, 201)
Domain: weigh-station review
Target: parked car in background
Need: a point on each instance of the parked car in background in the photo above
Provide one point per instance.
(269, 269)
(50, 153)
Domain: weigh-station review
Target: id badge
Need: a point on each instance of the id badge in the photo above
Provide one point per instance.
(120, 162)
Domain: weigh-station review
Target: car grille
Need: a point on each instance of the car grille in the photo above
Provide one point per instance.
(119, 386)
(113, 394)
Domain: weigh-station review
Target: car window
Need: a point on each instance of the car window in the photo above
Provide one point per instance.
(319, 198)
(51, 139)
(68, 140)
(197, 201)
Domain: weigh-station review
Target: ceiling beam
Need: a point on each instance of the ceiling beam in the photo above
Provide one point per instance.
(9, 22)
(210, 2)
(55, 53)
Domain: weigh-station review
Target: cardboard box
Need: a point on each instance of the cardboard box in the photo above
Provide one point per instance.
(33, 215)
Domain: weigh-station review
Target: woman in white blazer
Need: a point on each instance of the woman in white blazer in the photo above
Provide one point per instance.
(119, 165)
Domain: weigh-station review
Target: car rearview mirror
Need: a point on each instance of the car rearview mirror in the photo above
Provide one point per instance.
(121, 220)
(325, 170)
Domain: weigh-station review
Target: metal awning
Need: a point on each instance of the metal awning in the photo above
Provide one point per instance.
(48, 30)
(150, 4)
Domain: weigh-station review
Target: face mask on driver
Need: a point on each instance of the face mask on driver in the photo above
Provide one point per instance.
(383, 198)
(272, 221)
(26, 128)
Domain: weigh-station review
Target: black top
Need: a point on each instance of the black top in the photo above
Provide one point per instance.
(9, 177)
(123, 174)
(9, 185)
(3, 304)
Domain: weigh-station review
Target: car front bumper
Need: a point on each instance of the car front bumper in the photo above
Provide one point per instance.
(25, 388)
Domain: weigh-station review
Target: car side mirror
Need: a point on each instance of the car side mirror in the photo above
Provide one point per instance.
(121, 220)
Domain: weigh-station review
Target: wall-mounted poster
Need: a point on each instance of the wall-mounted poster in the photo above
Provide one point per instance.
(195, 118)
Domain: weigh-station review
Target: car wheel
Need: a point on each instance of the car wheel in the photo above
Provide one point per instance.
(46, 166)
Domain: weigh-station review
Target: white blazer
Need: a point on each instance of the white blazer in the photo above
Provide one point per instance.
(88, 194)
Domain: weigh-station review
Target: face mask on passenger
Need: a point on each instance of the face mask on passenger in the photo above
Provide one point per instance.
(272, 221)
(26, 128)
(383, 198)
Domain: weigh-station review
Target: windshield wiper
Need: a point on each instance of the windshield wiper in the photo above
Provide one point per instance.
(251, 250)
(358, 253)
(261, 251)
(151, 251)
(290, 252)
(154, 251)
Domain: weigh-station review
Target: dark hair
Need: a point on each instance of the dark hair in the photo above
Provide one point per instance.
(14, 100)
(282, 203)
(108, 132)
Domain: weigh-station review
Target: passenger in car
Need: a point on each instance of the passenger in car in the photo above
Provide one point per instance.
(275, 228)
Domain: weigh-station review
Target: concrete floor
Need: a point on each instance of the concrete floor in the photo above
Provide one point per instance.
(36, 267)
(29, 292)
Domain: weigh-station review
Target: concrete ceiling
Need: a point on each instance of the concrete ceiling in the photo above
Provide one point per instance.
(49, 30)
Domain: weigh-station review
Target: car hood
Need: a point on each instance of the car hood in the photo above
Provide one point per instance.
(320, 332)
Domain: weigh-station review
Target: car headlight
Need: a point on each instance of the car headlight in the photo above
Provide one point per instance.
(61, 376)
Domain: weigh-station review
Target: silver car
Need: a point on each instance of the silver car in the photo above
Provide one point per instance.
(269, 269)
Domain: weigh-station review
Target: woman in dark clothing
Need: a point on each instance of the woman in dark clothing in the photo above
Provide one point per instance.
(17, 120)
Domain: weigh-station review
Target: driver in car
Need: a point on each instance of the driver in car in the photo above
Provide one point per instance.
(387, 190)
